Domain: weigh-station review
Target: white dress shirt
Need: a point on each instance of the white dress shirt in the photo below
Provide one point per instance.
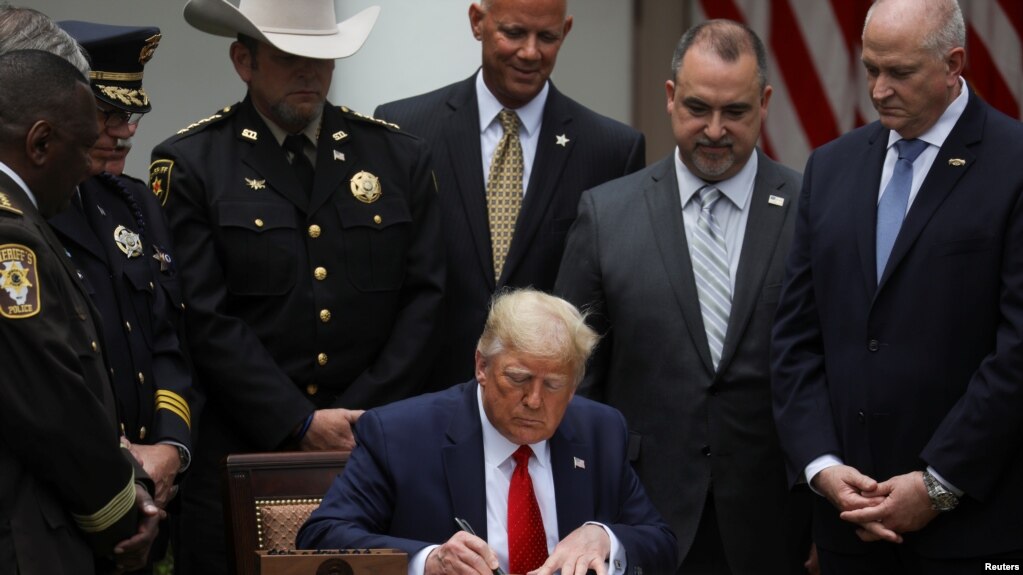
(17, 180)
(530, 120)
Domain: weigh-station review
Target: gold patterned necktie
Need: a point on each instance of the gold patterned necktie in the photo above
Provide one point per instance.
(504, 189)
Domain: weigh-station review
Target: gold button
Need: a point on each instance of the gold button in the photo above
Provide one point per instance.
(259, 223)
(151, 286)
(142, 378)
(95, 346)
(314, 231)
(321, 359)
(311, 389)
(182, 305)
(142, 432)
(320, 273)
(127, 326)
(324, 315)
(377, 219)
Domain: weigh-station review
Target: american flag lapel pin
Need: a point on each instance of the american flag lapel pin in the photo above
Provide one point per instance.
(775, 200)
(578, 463)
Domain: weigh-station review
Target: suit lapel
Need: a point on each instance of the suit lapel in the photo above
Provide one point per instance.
(939, 182)
(332, 145)
(573, 486)
(665, 210)
(763, 230)
(867, 177)
(72, 226)
(544, 178)
(265, 157)
(462, 141)
(463, 465)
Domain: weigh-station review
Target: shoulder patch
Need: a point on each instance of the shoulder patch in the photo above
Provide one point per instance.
(159, 179)
(348, 112)
(19, 282)
(7, 205)
(226, 112)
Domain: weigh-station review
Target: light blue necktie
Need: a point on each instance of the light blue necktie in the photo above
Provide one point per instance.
(891, 210)
(710, 268)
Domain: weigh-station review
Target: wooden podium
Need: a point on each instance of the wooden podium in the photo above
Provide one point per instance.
(333, 562)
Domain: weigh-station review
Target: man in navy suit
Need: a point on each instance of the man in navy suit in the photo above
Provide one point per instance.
(899, 348)
(422, 462)
(566, 148)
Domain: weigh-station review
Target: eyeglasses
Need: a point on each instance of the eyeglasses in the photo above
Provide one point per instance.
(115, 118)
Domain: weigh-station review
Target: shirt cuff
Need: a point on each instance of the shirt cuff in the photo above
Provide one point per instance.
(617, 561)
(187, 458)
(417, 565)
(958, 492)
(820, 464)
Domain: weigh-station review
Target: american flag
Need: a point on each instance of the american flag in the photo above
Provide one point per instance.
(820, 87)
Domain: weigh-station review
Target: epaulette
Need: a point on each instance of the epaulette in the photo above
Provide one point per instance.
(198, 125)
(7, 205)
(354, 114)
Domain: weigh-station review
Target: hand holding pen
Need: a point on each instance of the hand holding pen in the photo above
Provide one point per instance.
(464, 552)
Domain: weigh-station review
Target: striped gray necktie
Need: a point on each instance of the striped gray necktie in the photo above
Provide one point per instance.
(710, 266)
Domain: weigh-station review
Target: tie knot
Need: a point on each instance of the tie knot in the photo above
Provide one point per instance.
(708, 196)
(509, 120)
(522, 455)
(910, 149)
(295, 143)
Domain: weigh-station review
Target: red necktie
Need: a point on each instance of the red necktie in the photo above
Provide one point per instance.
(527, 542)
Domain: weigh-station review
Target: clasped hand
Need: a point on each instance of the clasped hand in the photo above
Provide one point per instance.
(882, 511)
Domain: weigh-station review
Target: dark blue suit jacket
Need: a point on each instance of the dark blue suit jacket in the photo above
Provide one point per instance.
(925, 368)
(419, 464)
(596, 149)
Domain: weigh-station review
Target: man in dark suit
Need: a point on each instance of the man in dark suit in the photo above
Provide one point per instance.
(688, 320)
(308, 244)
(67, 489)
(565, 149)
(422, 462)
(899, 338)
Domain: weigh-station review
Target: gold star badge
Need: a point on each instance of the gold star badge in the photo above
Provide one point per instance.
(255, 184)
(562, 140)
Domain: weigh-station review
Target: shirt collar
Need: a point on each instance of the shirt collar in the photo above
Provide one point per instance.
(311, 131)
(17, 180)
(496, 448)
(530, 115)
(738, 188)
(943, 127)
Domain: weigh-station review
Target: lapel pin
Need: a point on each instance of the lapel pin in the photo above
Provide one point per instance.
(578, 463)
(339, 156)
(957, 162)
(339, 135)
(250, 134)
(775, 200)
(255, 184)
(562, 140)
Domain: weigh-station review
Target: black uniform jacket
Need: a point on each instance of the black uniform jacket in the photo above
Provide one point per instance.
(297, 302)
(65, 483)
(138, 295)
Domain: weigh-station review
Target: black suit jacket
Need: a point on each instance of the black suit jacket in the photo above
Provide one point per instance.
(139, 300)
(598, 149)
(694, 429)
(419, 464)
(924, 368)
(65, 484)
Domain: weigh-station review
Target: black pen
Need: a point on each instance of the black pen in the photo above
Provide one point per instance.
(464, 526)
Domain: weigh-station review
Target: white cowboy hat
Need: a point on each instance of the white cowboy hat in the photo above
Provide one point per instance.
(300, 27)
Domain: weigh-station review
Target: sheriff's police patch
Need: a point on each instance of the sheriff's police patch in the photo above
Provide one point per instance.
(19, 282)
(159, 179)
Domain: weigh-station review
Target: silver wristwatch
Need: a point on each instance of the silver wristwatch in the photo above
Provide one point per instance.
(941, 498)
